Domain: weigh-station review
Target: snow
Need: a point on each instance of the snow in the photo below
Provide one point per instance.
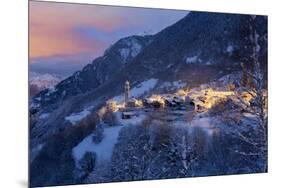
(132, 48)
(257, 45)
(249, 115)
(134, 120)
(43, 81)
(135, 49)
(173, 85)
(143, 87)
(51, 90)
(230, 78)
(166, 85)
(138, 90)
(38, 98)
(190, 60)
(44, 115)
(250, 119)
(118, 99)
(103, 149)
(230, 49)
(205, 123)
(35, 151)
(184, 153)
(170, 65)
(179, 84)
(76, 117)
(124, 52)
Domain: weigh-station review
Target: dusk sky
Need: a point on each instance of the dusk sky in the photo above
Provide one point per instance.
(65, 37)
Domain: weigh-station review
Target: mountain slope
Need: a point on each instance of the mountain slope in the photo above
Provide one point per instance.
(39, 82)
(200, 48)
(200, 41)
(197, 49)
(99, 71)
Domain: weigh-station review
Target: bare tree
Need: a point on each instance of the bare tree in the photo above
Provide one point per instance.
(254, 85)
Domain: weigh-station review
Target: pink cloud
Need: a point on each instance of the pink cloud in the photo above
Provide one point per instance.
(52, 26)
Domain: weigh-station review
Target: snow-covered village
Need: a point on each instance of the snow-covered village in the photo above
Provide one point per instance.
(187, 101)
(185, 109)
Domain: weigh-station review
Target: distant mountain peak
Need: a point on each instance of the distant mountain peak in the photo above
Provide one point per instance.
(41, 81)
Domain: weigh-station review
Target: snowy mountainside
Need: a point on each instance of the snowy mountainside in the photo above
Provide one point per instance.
(101, 70)
(179, 78)
(163, 57)
(39, 82)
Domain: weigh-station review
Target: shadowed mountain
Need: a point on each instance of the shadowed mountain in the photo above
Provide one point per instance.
(212, 43)
(199, 48)
(101, 70)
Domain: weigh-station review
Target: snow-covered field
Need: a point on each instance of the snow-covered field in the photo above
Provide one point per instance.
(143, 87)
(103, 149)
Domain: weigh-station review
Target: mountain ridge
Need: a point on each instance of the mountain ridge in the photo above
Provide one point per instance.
(204, 38)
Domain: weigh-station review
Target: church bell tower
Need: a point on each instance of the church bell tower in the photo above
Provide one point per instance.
(127, 92)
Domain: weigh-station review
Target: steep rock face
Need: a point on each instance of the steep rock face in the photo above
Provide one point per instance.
(99, 71)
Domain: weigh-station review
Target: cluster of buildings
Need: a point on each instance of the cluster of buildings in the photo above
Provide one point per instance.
(198, 100)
